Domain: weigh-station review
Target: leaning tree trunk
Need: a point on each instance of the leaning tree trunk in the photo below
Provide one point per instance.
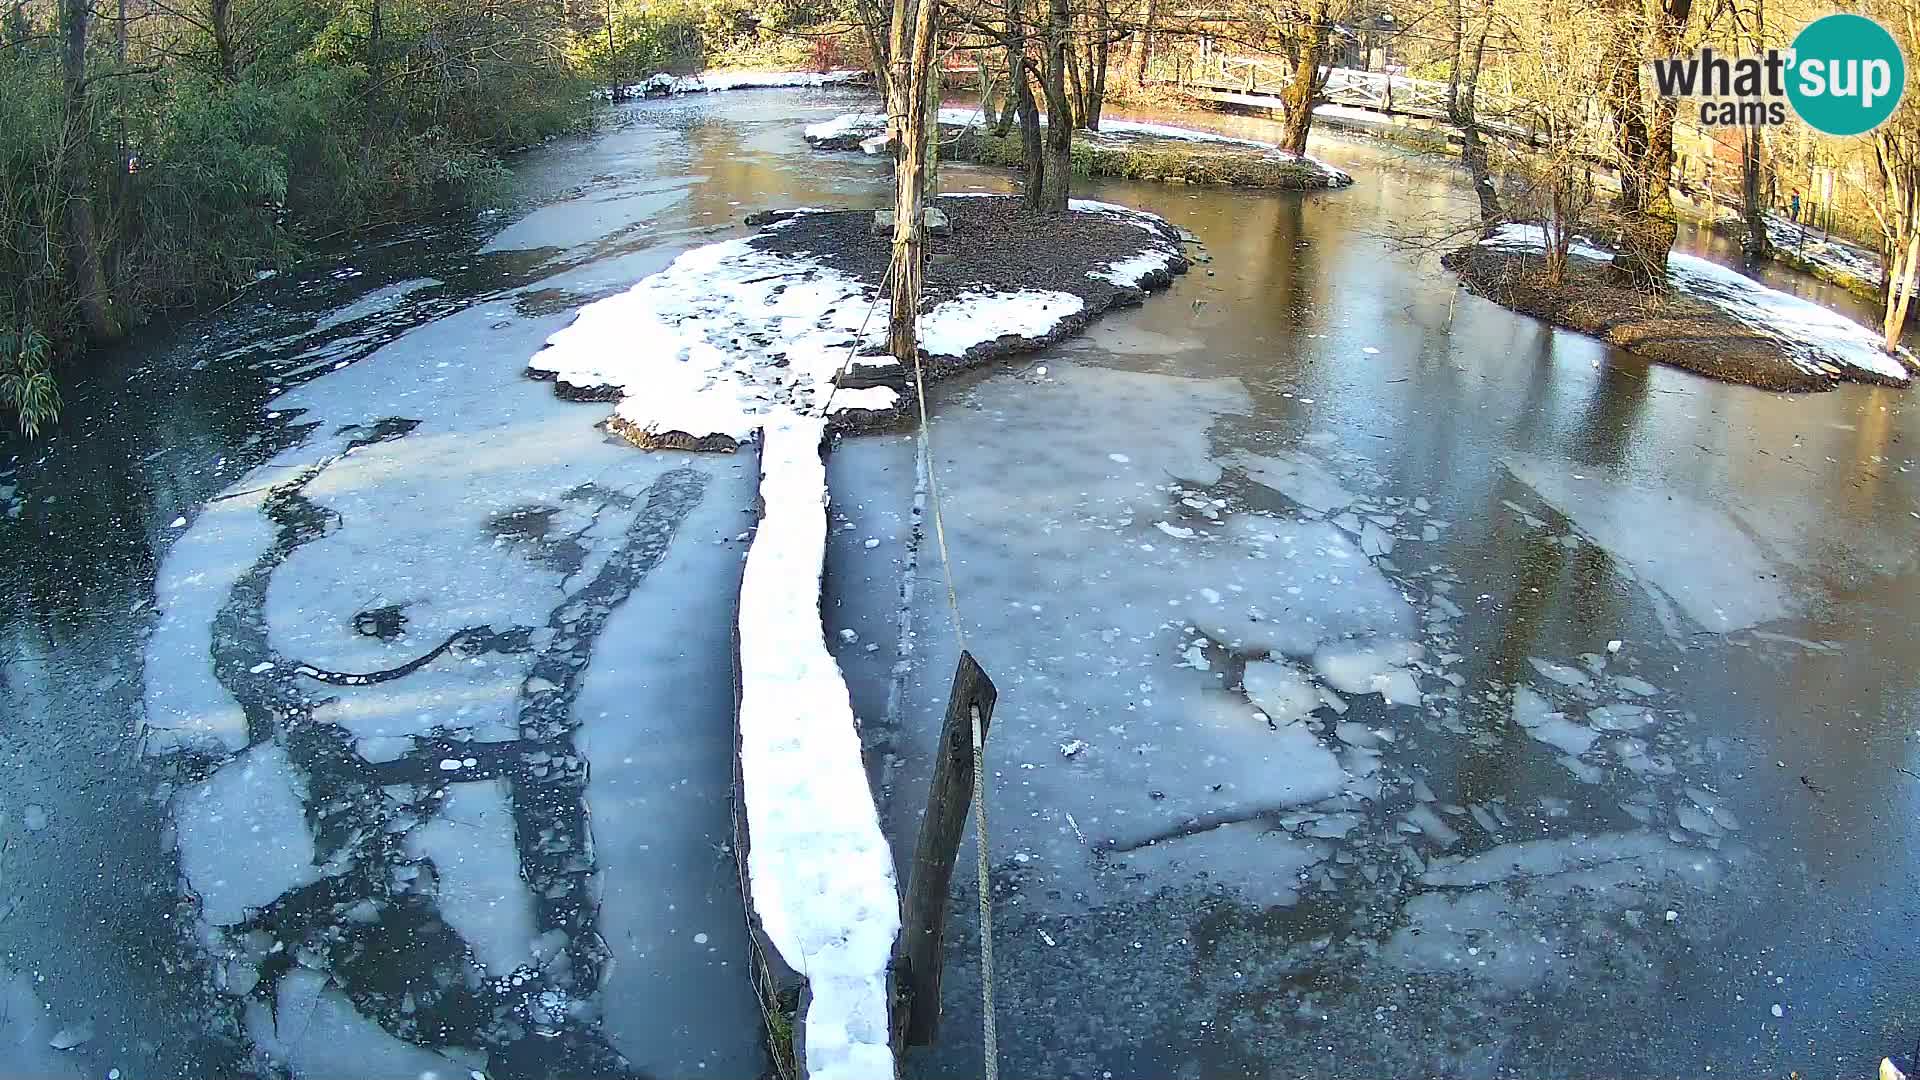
(1309, 52)
(1057, 182)
(76, 159)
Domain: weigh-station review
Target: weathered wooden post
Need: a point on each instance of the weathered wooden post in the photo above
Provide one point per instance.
(923, 910)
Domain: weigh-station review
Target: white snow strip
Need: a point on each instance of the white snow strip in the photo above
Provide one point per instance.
(818, 865)
(1812, 336)
(875, 123)
(712, 81)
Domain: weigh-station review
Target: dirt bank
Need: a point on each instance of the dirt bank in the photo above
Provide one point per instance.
(1101, 255)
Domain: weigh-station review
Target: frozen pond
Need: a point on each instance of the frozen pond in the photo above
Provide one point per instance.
(1389, 684)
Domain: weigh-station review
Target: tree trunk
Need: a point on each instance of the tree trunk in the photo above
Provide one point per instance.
(1076, 88)
(1648, 228)
(1031, 150)
(1900, 285)
(1143, 49)
(76, 159)
(1059, 155)
(1462, 99)
(1457, 24)
(1099, 52)
(1309, 52)
(912, 82)
(1753, 209)
(220, 16)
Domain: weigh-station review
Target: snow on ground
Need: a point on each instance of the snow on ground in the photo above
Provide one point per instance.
(1814, 338)
(819, 868)
(1823, 250)
(731, 336)
(870, 124)
(1685, 553)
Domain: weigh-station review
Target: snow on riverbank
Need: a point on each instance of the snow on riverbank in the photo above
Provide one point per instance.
(861, 126)
(1812, 337)
(663, 84)
(1822, 251)
(818, 866)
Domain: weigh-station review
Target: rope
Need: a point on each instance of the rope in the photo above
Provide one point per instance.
(989, 1029)
(826, 409)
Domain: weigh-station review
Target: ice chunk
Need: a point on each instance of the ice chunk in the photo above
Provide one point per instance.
(1371, 667)
(1423, 817)
(482, 895)
(1531, 708)
(1676, 546)
(243, 834)
(1560, 673)
(1620, 717)
(1298, 476)
(1565, 735)
(1280, 690)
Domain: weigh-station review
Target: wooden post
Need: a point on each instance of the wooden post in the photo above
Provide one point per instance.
(923, 911)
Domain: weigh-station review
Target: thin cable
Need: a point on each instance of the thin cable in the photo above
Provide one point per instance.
(989, 1027)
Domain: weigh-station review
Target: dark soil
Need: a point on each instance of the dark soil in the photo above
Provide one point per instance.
(996, 246)
(1681, 331)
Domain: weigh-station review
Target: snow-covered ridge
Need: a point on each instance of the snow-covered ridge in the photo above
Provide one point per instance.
(664, 84)
(818, 865)
(865, 124)
(1810, 336)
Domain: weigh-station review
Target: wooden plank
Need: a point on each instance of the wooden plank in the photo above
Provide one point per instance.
(923, 916)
